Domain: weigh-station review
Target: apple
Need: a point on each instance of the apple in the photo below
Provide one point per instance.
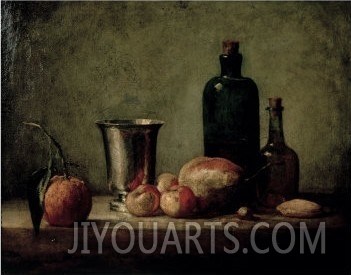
(165, 180)
(178, 201)
(143, 201)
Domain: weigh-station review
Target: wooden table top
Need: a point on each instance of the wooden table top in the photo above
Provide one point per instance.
(54, 249)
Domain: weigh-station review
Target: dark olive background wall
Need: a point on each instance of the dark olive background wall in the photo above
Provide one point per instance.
(68, 64)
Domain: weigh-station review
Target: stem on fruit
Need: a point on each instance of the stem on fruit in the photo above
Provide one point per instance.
(56, 145)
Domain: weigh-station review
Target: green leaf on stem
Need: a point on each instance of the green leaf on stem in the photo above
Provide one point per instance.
(39, 180)
(35, 187)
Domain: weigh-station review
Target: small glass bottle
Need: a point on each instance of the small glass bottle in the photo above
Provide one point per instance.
(281, 176)
(231, 112)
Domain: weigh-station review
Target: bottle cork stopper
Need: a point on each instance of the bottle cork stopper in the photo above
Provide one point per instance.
(230, 47)
(275, 102)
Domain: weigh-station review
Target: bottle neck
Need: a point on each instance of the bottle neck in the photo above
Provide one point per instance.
(276, 133)
(231, 65)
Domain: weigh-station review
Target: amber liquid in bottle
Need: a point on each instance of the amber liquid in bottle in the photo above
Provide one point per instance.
(281, 176)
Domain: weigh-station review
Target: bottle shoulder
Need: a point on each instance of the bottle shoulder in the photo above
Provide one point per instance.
(231, 78)
(241, 78)
(218, 83)
(278, 148)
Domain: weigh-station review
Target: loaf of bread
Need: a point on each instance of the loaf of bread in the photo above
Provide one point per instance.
(213, 181)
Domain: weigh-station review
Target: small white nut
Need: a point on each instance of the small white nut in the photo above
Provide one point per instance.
(245, 213)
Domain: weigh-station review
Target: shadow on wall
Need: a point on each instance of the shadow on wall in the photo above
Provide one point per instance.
(15, 18)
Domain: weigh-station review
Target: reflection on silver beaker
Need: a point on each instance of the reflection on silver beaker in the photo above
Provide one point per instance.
(130, 150)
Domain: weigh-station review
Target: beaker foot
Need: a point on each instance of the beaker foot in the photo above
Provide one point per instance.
(119, 206)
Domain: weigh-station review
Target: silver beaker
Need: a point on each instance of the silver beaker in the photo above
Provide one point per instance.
(130, 150)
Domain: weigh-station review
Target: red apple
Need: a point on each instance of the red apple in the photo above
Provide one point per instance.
(165, 180)
(178, 201)
(143, 201)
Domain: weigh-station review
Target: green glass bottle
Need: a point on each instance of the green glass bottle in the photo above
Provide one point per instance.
(231, 112)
